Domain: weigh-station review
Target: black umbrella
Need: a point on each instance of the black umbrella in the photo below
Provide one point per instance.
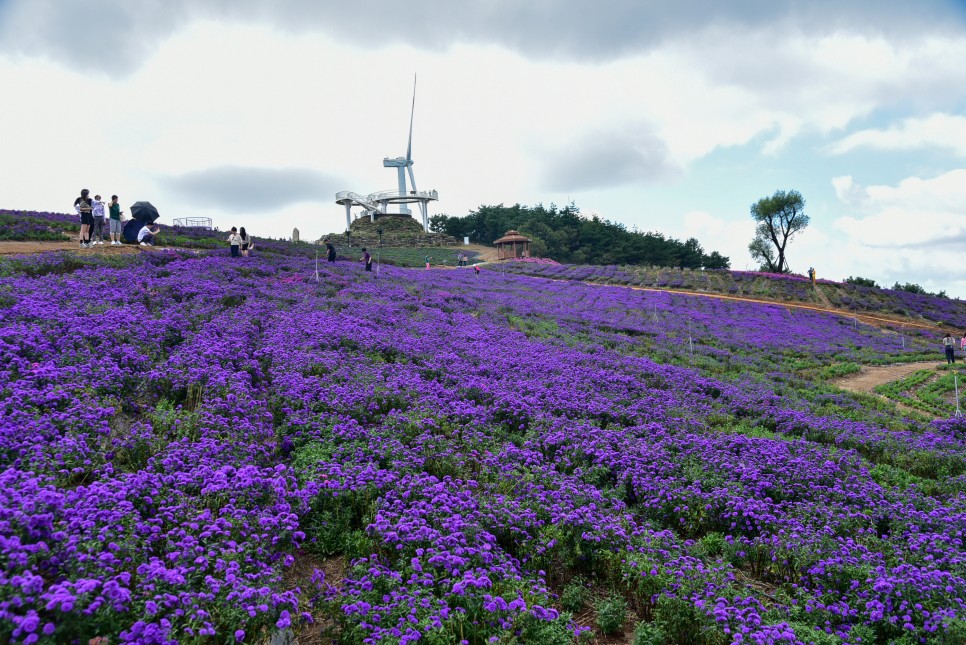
(131, 229)
(144, 212)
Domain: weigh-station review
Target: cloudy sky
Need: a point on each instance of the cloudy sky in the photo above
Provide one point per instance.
(672, 117)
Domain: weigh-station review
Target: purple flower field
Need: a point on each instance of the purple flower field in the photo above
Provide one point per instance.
(188, 440)
(34, 225)
(768, 286)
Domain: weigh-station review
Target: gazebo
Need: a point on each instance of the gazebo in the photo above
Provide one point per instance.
(512, 245)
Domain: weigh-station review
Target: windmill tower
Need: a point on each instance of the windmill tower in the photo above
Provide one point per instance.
(404, 164)
(377, 204)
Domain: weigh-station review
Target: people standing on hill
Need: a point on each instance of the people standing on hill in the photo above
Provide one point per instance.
(962, 346)
(97, 211)
(246, 242)
(114, 221)
(950, 347)
(329, 251)
(84, 207)
(234, 240)
(367, 258)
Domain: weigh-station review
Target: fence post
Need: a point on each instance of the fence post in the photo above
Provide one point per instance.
(959, 412)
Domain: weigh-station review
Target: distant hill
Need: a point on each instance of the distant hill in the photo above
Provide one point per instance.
(767, 286)
(565, 236)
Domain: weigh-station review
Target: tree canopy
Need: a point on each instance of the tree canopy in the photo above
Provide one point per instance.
(566, 236)
(779, 218)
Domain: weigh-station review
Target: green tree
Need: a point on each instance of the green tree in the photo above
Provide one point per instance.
(565, 235)
(437, 223)
(779, 218)
(862, 282)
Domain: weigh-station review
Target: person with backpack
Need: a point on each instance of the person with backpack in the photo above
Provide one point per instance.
(84, 208)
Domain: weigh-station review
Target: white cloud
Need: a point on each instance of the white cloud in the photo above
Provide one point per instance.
(249, 85)
(943, 131)
(914, 231)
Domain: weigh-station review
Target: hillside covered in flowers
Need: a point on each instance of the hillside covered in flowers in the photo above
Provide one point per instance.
(200, 449)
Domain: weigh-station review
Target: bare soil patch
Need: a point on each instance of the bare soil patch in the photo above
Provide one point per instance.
(871, 377)
(27, 248)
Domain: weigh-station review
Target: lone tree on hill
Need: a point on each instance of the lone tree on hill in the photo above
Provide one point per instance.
(779, 218)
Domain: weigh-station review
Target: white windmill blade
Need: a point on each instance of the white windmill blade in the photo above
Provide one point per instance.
(409, 148)
(412, 180)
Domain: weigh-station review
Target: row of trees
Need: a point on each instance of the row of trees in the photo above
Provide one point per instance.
(911, 287)
(563, 234)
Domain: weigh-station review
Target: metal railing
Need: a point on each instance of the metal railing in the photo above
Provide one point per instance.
(193, 222)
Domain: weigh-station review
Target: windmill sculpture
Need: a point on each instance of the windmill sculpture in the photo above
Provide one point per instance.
(376, 205)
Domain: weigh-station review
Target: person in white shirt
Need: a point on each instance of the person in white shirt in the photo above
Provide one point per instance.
(234, 240)
(147, 233)
(97, 211)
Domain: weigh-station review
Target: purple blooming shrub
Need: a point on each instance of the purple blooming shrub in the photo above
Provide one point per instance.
(183, 434)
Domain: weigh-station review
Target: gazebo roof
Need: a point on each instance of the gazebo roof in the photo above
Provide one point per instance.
(511, 236)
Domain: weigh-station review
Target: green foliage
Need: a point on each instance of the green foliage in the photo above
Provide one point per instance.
(778, 218)
(862, 282)
(564, 235)
(683, 623)
(409, 257)
(611, 614)
(575, 595)
(837, 370)
(711, 545)
(648, 634)
(915, 288)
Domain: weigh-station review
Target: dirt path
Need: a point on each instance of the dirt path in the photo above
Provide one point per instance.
(484, 253)
(821, 296)
(872, 376)
(24, 248)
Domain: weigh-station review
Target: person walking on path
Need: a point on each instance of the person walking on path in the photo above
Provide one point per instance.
(84, 207)
(949, 345)
(97, 211)
(367, 258)
(246, 242)
(114, 221)
(234, 240)
(329, 251)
